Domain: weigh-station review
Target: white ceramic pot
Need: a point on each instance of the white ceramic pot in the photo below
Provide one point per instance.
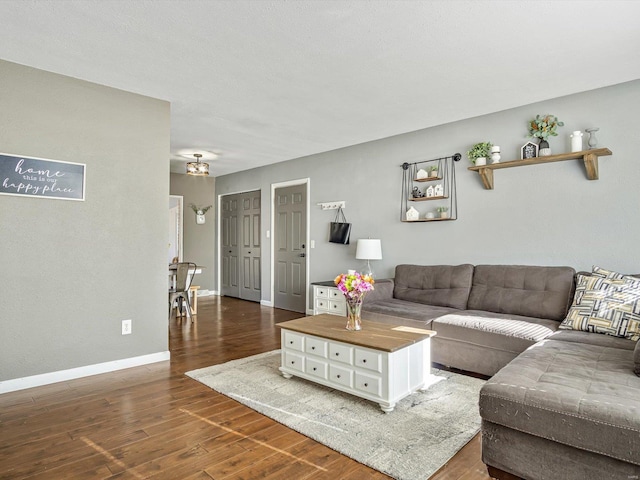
(481, 161)
(495, 157)
(444, 214)
(433, 173)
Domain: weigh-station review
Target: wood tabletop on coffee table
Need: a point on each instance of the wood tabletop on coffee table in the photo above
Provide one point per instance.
(379, 336)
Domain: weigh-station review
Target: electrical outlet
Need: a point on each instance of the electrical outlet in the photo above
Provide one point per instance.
(126, 327)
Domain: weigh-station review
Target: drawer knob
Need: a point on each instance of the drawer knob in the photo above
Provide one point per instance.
(366, 384)
(291, 342)
(337, 376)
(292, 362)
(314, 369)
(337, 354)
(364, 360)
(313, 348)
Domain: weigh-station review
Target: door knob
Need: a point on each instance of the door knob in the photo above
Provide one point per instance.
(302, 255)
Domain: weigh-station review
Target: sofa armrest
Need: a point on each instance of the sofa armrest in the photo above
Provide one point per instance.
(382, 290)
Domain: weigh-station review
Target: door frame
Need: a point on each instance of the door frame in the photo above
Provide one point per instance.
(180, 200)
(272, 253)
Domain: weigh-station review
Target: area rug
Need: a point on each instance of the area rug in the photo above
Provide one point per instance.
(411, 443)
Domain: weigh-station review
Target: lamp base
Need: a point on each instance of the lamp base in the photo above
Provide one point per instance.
(367, 270)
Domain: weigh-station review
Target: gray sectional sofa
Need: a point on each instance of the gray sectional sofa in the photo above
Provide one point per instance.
(560, 404)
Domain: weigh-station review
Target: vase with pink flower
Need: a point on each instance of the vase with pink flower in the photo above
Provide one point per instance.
(354, 286)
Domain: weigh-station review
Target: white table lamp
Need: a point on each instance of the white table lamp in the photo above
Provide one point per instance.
(369, 249)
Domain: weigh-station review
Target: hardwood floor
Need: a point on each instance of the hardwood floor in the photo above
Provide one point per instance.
(154, 422)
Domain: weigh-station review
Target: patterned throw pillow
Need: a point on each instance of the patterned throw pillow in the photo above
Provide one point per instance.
(601, 272)
(606, 305)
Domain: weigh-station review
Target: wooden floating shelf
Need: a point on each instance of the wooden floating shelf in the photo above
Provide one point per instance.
(590, 158)
(424, 199)
(428, 220)
(428, 179)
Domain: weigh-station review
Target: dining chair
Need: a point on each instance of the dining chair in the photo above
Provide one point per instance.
(182, 285)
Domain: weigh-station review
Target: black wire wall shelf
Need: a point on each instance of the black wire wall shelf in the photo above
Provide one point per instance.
(444, 192)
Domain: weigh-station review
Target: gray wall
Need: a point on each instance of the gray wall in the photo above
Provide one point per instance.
(199, 240)
(543, 215)
(72, 271)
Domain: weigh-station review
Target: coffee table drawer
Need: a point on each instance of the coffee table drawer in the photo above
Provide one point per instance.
(340, 352)
(293, 341)
(317, 368)
(369, 384)
(316, 346)
(368, 359)
(342, 376)
(294, 361)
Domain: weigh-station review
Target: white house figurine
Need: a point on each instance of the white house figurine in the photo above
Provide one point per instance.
(412, 214)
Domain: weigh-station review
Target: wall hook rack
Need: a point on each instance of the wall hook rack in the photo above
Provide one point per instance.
(332, 205)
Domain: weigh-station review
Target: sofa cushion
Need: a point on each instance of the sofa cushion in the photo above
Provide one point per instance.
(541, 292)
(510, 333)
(577, 336)
(440, 285)
(580, 395)
(606, 305)
(411, 311)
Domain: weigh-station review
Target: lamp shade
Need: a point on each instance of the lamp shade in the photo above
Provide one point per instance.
(369, 249)
(197, 168)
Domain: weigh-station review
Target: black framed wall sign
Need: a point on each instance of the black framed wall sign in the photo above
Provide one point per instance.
(42, 178)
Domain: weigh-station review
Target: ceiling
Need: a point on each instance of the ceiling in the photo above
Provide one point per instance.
(263, 81)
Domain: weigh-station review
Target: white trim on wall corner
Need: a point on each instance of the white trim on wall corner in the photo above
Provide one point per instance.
(310, 312)
(16, 384)
(266, 303)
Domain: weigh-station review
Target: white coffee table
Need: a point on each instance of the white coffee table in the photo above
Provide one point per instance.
(382, 362)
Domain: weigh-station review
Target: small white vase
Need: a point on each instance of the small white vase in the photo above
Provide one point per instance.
(576, 141)
(481, 161)
(495, 158)
(444, 214)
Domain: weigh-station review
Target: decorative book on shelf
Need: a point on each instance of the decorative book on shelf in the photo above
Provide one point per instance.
(429, 186)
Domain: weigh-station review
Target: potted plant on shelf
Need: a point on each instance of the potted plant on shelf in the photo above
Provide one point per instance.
(443, 211)
(433, 171)
(543, 127)
(479, 153)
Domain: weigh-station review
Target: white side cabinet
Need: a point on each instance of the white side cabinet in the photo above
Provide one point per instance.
(328, 299)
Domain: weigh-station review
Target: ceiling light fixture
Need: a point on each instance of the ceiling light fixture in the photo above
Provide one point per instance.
(197, 168)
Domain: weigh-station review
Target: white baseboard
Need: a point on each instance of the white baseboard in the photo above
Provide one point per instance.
(309, 311)
(215, 292)
(79, 372)
(266, 303)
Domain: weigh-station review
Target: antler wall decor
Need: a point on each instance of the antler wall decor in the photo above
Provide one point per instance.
(200, 212)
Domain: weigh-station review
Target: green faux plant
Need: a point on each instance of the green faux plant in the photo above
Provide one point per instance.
(433, 168)
(544, 126)
(482, 149)
(442, 209)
